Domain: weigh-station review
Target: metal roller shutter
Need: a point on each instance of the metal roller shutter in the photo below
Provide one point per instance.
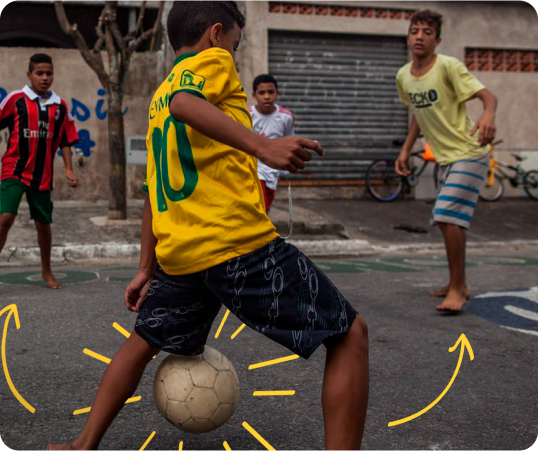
(341, 90)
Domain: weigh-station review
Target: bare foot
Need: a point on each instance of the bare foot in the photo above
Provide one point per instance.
(51, 445)
(51, 281)
(443, 292)
(454, 302)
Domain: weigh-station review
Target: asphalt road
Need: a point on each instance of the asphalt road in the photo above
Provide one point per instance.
(492, 404)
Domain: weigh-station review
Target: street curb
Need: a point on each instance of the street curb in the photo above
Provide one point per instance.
(72, 253)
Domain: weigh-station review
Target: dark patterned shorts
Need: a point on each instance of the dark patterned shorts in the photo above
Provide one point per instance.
(274, 290)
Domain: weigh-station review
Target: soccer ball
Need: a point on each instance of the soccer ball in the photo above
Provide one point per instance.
(196, 394)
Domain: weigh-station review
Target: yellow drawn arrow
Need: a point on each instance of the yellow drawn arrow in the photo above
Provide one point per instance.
(464, 344)
(12, 309)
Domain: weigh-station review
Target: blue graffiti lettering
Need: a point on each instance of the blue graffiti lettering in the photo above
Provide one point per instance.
(101, 115)
(3, 94)
(99, 107)
(80, 111)
(85, 142)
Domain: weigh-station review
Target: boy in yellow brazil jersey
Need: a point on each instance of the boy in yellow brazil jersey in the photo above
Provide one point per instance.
(437, 87)
(207, 241)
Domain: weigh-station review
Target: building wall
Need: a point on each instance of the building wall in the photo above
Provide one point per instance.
(78, 85)
(505, 25)
(467, 24)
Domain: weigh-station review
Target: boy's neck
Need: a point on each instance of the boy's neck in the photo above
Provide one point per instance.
(420, 62)
(46, 94)
(273, 109)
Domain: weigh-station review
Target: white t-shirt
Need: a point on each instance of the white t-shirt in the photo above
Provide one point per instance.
(274, 125)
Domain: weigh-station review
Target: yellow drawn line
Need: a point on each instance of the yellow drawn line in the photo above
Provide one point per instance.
(180, 446)
(12, 308)
(121, 330)
(222, 323)
(87, 409)
(274, 393)
(464, 344)
(249, 428)
(237, 331)
(226, 446)
(147, 441)
(272, 362)
(100, 357)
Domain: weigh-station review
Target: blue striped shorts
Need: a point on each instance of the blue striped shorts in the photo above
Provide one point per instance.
(459, 186)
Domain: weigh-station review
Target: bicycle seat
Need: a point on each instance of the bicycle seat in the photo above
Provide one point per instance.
(519, 157)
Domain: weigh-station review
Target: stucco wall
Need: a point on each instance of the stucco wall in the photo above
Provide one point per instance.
(78, 85)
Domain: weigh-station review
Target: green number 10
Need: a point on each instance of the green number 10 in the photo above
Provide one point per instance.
(159, 140)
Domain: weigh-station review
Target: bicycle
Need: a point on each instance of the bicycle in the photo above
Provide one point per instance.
(385, 185)
(494, 186)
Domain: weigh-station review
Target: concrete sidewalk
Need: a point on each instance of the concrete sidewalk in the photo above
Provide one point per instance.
(322, 228)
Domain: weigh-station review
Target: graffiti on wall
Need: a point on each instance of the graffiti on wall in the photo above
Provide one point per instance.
(81, 113)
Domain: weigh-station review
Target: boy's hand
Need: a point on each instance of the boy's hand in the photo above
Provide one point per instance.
(486, 129)
(137, 291)
(72, 178)
(288, 153)
(400, 166)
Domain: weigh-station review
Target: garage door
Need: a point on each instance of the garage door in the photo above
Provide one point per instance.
(341, 89)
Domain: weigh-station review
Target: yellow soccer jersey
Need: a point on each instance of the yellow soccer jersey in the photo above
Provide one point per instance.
(438, 102)
(206, 199)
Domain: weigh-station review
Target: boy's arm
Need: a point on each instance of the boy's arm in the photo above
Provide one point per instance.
(69, 174)
(137, 290)
(486, 124)
(287, 153)
(412, 135)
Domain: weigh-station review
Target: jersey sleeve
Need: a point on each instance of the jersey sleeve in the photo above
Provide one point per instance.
(7, 110)
(207, 75)
(401, 92)
(464, 83)
(290, 126)
(69, 134)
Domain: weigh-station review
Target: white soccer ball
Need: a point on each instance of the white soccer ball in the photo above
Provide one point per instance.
(196, 394)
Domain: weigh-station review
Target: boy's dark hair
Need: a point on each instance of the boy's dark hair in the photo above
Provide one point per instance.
(263, 78)
(188, 21)
(429, 17)
(37, 59)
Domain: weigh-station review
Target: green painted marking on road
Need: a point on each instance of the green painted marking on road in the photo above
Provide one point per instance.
(34, 278)
(417, 264)
(119, 268)
(119, 279)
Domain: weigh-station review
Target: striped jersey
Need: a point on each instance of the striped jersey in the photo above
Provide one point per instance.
(278, 124)
(37, 128)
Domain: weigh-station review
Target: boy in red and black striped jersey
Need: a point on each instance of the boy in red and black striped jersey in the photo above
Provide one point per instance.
(39, 123)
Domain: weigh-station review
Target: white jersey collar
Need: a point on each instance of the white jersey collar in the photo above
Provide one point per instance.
(32, 95)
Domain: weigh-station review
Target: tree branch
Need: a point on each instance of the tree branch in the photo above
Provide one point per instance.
(148, 33)
(134, 33)
(72, 30)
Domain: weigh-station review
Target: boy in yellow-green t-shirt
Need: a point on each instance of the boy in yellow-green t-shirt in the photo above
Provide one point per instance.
(206, 239)
(436, 87)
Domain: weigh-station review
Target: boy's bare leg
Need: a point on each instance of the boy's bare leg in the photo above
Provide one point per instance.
(345, 387)
(44, 239)
(119, 382)
(6, 221)
(455, 239)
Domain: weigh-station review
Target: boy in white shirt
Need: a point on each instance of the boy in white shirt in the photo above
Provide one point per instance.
(272, 121)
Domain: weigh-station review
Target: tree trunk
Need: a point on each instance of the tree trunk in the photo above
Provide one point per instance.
(117, 204)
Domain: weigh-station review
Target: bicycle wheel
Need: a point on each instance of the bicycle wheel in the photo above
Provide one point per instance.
(530, 184)
(382, 181)
(493, 190)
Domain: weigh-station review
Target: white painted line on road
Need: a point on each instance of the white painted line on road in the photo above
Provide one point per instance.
(521, 312)
(525, 331)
